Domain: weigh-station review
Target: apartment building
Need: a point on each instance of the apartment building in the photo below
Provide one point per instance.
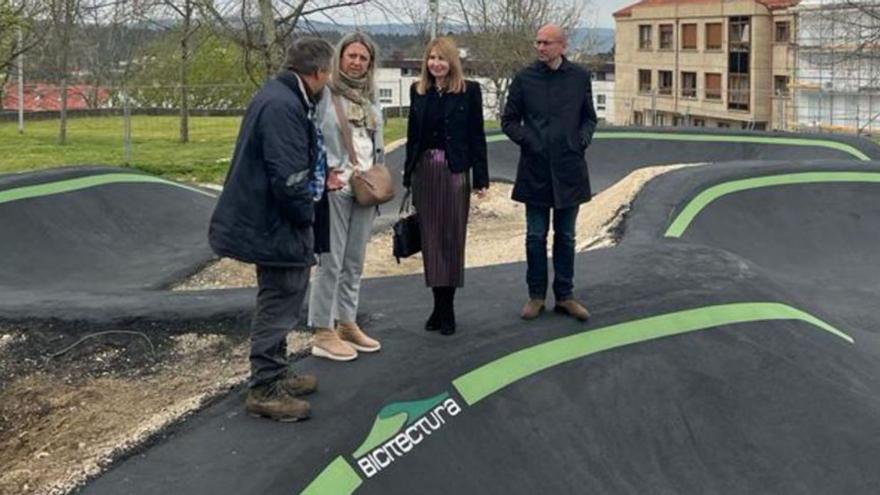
(712, 63)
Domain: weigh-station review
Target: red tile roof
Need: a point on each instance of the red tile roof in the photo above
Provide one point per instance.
(770, 4)
(47, 97)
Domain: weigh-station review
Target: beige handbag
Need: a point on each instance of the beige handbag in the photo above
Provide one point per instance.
(373, 186)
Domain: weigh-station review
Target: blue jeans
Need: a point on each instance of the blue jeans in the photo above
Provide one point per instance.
(537, 226)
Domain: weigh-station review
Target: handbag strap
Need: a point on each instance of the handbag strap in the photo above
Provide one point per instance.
(345, 131)
(406, 203)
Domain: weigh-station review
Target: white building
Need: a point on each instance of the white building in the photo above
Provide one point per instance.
(603, 91)
(836, 85)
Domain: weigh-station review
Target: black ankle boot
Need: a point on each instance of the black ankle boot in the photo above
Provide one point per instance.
(447, 325)
(435, 319)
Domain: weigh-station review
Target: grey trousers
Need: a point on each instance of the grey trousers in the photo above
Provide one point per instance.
(280, 296)
(337, 281)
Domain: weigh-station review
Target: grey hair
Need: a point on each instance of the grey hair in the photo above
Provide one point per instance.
(364, 39)
(308, 55)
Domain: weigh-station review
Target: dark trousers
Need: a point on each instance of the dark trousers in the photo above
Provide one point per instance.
(537, 226)
(279, 303)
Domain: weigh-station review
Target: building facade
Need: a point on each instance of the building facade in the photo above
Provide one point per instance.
(705, 63)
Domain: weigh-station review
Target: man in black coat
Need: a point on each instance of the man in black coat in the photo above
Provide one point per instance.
(550, 115)
(271, 213)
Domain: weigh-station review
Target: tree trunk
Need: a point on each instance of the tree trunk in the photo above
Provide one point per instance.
(267, 18)
(64, 49)
(184, 68)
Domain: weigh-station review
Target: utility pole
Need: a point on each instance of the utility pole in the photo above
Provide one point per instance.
(20, 72)
(434, 7)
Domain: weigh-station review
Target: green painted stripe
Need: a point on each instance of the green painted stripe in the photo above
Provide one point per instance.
(68, 185)
(713, 138)
(338, 478)
(488, 379)
(695, 206)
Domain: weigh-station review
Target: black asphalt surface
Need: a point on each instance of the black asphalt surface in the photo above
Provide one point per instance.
(769, 405)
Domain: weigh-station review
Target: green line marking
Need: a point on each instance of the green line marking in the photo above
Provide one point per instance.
(338, 478)
(492, 377)
(711, 138)
(393, 417)
(701, 201)
(68, 185)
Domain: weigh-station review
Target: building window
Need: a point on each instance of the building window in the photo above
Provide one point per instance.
(780, 85)
(688, 36)
(783, 34)
(677, 121)
(638, 118)
(666, 37)
(386, 95)
(600, 102)
(645, 37)
(644, 81)
(713, 36)
(661, 119)
(739, 33)
(723, 125)
(738, 92)
(688, 84)
(713, 86)
(699, 123)
(664, 82)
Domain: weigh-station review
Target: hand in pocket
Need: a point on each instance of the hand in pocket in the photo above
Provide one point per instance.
(334, 180)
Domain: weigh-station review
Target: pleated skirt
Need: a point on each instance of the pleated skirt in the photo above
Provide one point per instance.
(442, 200)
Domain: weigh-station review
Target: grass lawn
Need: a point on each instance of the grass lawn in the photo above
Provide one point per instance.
(98, 141)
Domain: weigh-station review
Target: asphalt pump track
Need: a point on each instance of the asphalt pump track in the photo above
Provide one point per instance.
(732, 349)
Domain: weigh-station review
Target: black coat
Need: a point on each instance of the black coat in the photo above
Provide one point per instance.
(550, 115)
(266, 214)
(465, 136)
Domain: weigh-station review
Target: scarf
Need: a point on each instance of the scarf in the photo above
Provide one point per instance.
(358, 105)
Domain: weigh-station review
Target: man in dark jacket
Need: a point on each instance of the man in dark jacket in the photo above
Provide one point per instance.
(550, 115)
(267, 215)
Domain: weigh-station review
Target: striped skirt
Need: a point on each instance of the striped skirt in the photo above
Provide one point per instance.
(442, 199)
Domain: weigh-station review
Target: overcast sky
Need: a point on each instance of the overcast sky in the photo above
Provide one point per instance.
(602, 10)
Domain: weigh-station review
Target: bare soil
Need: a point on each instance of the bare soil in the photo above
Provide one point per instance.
(73, 400)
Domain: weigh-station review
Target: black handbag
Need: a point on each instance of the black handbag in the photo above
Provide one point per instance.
(407, 236)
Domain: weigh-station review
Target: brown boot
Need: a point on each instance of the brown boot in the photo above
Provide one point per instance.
(532, 309)
(572, 308)
(298, 385)
(352, 334)
(327, 344)
(272, 402)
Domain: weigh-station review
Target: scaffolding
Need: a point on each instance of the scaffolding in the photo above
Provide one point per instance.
(836, 83)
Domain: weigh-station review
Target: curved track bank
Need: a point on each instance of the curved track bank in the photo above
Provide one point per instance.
(733, 349)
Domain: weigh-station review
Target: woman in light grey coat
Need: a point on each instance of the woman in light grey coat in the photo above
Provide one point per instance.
(333, 301)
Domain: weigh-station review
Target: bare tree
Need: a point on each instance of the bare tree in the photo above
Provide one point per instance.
(64, 16)
(18, 33)
(264, 28)
(500, 34)
(187, 24)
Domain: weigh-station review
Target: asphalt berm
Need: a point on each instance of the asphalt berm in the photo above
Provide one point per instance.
(732, 349)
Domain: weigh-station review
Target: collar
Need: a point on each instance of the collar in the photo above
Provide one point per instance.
(298, 86)
(564, 66)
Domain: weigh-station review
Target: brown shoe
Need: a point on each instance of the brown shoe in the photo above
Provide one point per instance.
(327, 344)
(354, 336)
(298, 385)
(532, 309)
(572, 308)
(270, 401)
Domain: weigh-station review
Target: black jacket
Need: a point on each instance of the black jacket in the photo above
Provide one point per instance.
(550, 115)
(266, 214)
(465, 136)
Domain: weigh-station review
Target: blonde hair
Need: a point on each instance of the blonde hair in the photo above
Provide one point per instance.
(370, 77)
(445, 46)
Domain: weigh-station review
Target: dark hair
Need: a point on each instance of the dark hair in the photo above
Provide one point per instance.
(308, 55)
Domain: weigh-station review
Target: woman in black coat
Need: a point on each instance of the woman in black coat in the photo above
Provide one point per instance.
(446, 143)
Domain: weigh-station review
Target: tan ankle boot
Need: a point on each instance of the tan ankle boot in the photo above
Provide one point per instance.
(355, 337)
(327, 344)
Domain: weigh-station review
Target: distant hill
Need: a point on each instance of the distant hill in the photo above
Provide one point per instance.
(603, 37)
